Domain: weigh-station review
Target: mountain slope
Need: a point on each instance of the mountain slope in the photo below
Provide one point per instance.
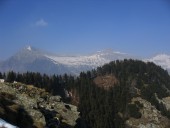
(32, 59)
(94, 60)
(124, 94)
(35, 60)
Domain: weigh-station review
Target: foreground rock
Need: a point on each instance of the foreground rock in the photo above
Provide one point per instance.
(150, 116)
(28, 106)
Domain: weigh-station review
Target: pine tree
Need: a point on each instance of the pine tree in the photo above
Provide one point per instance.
(11, 76)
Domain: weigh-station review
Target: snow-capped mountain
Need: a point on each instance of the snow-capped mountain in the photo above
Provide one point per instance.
(35, 60)
(162, 59)
(32, 59)
(93, 60)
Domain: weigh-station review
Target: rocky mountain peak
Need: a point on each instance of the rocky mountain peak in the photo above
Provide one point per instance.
(29, 48)
(150, 117)
(28, 57)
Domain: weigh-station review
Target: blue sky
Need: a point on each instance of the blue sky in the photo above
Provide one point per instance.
(138, 27)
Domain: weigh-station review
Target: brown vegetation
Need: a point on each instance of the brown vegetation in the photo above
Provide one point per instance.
(106, 81)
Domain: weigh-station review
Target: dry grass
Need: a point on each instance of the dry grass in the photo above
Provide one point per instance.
(38, 125)
(106, 81)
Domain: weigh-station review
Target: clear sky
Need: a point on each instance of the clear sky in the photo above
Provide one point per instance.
(138, 27)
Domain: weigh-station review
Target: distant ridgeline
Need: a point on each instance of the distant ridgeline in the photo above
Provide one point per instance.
(116, 95)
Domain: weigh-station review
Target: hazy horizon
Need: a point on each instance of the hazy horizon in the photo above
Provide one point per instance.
(81, 54)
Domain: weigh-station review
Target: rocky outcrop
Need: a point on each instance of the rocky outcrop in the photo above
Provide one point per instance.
(150, 116)
(43, 110)
(166, 103)
(163, 105)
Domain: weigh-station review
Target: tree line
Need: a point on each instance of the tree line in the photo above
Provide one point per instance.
(55, 84)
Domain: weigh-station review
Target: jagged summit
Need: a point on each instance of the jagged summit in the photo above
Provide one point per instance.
(29, 48)
(28, 53)
(33, 59)
(94, 60)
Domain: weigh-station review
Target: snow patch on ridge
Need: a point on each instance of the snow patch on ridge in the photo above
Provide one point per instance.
(78, 60)
(162, 59)
(29, 48)
(98, 59)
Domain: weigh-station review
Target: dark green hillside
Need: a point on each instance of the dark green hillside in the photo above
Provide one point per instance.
(109, 105)
(128, 93)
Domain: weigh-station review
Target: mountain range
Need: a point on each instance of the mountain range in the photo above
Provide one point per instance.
(35, 60)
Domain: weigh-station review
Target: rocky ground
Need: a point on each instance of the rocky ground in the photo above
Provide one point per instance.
(150, 117)
(29, 107)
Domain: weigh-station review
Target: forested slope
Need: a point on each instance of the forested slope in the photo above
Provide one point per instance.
(128, 93)
(121, 92)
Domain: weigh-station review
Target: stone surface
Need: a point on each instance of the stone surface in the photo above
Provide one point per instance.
(151, 117)
(166, 102)
(44, 109)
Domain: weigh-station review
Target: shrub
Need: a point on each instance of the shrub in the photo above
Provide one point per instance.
(134, 111)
